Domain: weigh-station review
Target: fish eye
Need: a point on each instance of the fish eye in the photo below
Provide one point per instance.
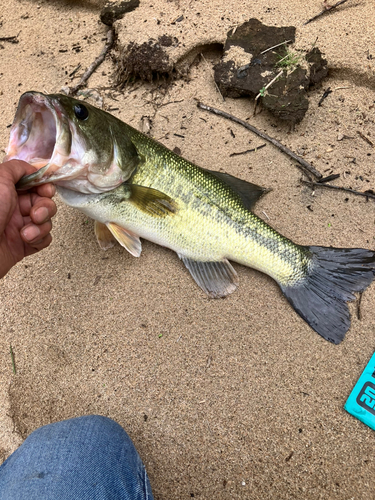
(81, 112)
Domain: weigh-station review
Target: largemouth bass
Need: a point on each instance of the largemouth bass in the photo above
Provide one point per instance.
(134, 187)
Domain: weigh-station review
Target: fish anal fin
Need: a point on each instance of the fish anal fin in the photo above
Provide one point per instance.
(103, 236)
(247, 191)
(126, 238)
(216, 278)
(151, 201)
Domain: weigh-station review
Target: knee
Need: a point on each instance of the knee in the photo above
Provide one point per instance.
(92, 428)
(94, 422)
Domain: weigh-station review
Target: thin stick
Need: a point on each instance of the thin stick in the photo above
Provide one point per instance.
(278, 45)
(304, 164)
(339, 188)
(216, 85)
(11, 39)
(366, 139)
(325, 10)
(98, 61)
(359, 303)
(247, 151)
(170, 102)
(325, 95)
(329, 178)
(269, 84)
(12, 358)
(282, 59)
(74, 70)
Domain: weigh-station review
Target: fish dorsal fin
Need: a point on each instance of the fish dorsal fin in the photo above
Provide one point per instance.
(216, 278)
(103, 235)
(248, 192)
(126, 238)
(151, 200)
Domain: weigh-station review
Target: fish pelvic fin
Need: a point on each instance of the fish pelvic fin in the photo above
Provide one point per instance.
(126, 238)
(217, 279)
(103, 236)
(333, 278)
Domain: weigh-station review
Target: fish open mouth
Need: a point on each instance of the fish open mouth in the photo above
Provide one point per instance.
(41, 135)
(55, 134)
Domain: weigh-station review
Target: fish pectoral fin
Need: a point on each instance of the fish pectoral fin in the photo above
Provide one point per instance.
(216, 278)
(103, 236)
(151, 201)
(247, 191)
(126, 238)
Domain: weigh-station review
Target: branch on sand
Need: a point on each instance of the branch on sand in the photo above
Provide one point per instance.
(11, 39)
(326, 9)
(309, 169)
(98, 61)
(339, 188)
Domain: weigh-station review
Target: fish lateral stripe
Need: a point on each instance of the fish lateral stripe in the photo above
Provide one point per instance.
(202, 215)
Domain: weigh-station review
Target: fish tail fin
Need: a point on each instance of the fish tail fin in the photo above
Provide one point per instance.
(321, 297)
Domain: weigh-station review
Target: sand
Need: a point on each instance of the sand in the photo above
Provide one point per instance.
(234, 398)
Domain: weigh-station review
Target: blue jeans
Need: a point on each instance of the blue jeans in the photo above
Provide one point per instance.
(85, 458)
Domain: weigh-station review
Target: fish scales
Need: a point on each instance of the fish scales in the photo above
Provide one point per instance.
(230, 230)
(134, 187)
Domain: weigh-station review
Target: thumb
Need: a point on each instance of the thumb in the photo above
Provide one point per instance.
(13, 170)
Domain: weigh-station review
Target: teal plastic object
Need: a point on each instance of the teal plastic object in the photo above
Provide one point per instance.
(361, 402)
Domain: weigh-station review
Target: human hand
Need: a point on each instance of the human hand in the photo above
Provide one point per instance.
(25, 217)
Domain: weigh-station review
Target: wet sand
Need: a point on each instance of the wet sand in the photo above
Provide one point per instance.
(233, 398)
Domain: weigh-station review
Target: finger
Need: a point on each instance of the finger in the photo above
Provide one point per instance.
(31, 203)
(46, 190)
(38, 245)
(13, 170)
(33, 234)
(26, 221)
(43, 210)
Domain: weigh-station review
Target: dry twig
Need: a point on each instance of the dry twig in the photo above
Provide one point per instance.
(303, 163)
(327, 9)
(329, 178)
(10, 39)
(359, 310)
(74, 70)
(268, 85)
(12, 358)
(247, 151)
(325, 95)
(98, 61)
(366, 139)
(216, 85)
(339, 188)
(278, 45)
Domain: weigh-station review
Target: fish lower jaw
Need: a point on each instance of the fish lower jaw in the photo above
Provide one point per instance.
(83, 186)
